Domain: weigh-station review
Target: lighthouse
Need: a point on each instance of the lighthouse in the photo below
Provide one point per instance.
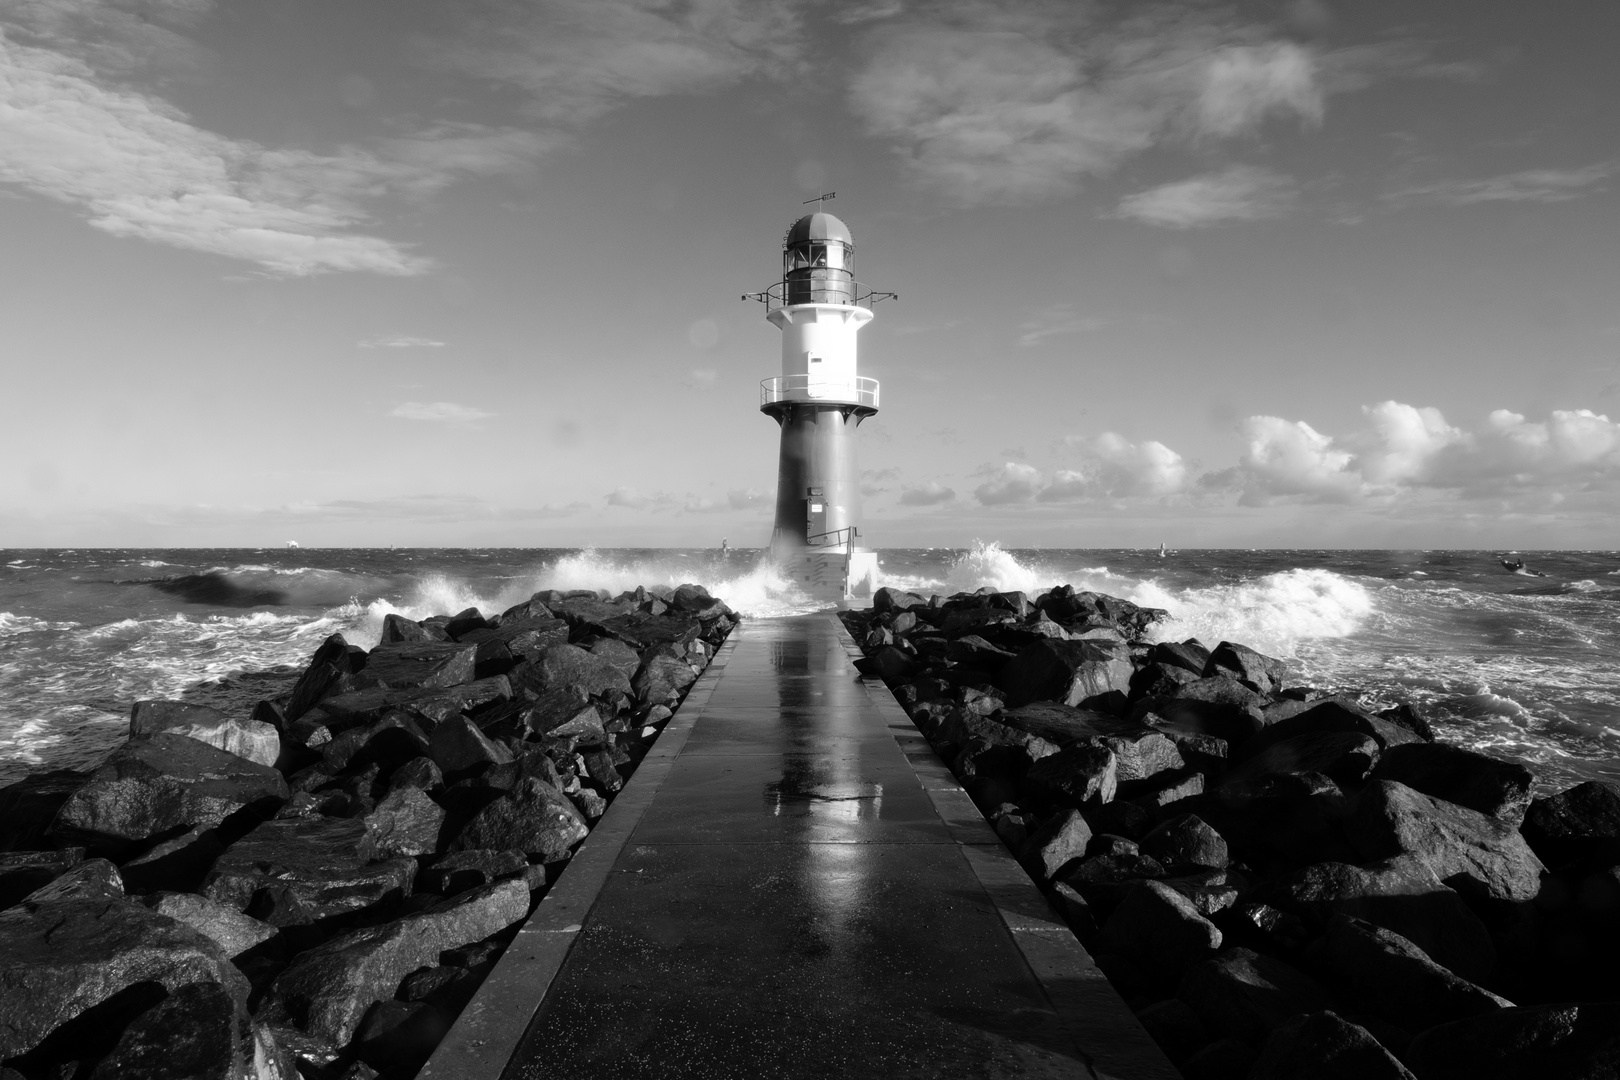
(819, 401)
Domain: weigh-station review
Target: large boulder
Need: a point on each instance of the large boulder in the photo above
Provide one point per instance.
(21, 872)
(1154, 935)
(406, 822)
(1387, 976)
(1469, 851)
(252, 739)
(1325, 1046)
(93, 879)
(424, 664)
(1582, 822)
(28, 807)
(1344, 756)
(332, 670)
(1142, 753)
(522, 638)
(392, 740)
(1278, 822)
(660, 680)
(891, 599)
(535, 819)
(457, 746)
(163, 783)
(328, 989)
(1066, 671)
(232, 931)
(1061, 839)
(1083, 774)
(558, 666)
(1246, 995)
(1489, 785)
(1548, 1042)
(1187, 840)
(1402, 895)
(1264, 673)
(201, 1032)
(1062, 724)
(294, 871)
(58, 960)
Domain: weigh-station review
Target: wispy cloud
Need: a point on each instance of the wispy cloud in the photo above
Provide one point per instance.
(1530, 185)
(932, 493)
(1059, 320)
(400, 341)
(444, 412)
(1240, 193)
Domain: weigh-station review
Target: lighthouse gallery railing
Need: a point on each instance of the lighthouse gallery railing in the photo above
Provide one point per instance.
(842, 291)
(859, 391)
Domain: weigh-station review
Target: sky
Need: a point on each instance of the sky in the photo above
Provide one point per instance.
(1283, 274)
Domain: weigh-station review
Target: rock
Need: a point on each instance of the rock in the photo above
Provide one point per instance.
(1219, 706)
(617, 653)
(896, 600)
(1578, 1041)
(1253, 925)
(1066, 671)
(28, 807)
(522, 637)
(1190, 655)
(961, 727)
(94, 879)
(1345, 756)
(330, 671)
(199, 1031)
(1079, 775)
(972, 651)
(393, 739)
(251, 739)
(563, 712)
(457, 746)
(164, 782)
(1500, 789)
(302, 870)
(1244, 994)
(397, 628)
(1223, 1059)
(1142, 754)
(1264, 673)
(569, 665)
(421, 664)
(420, 773)
(463, 870)
(1325, 1046)
(176, 864)
(329, 988)
(1186, 840)
(535, 819)
(1062, 724)
(1402, 895)
(660, 680)
(1061, 839)
(1103, 879)
(21, 872)
(1389, 977)
(1153, 936)
(1278, 822)
(599, 766)
(888, 663)
(406, 822)
(232, 931)
(399, 1034)
(61, 959)
(1175, 1027)
(1582, 822)
(1156, 680)
(1470, 852)
(1166, 788)
(1208, 890)
(1121, 819)
(1409, 716)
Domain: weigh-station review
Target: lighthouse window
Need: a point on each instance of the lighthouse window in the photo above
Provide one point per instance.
(814, 359)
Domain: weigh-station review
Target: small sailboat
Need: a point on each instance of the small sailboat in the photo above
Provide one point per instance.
(1163, 551)
(292, 544)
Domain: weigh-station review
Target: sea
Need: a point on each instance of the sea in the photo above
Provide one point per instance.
(1520, 663)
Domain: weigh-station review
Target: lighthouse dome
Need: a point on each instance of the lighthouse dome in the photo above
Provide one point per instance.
(818, 226)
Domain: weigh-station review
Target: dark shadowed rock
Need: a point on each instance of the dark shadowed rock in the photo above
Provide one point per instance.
(420, 773)
(395, 738)
(536, 819)
(889, 599)
(399, 1035)
(457, 746)
(199, 1031)
(1066, 671)
(1190, 655)
(1469, 851)
(1278, 820)
(1582, 822)
(1061, 839)
(406, 822)
(21, 872)
(1186, 840)
(397, 628)
(1547, 1042)
(1062, 724)
(61, 959)
(232, 931)
(332, 670)
(1153, 936)
(1498, 788)
(421, 664)
(523, 638)
(888, 663)
(93, 879)
(1141, 754)
(28, 807)
(1077, 775)
(617, 653)
(1219, 706)
(1175, 1027)
(600, 767)
(1103, 879)
(252, 739)
(568, 665)
(161, 783)
(1346, 757)
(1402, 895)
(177, 863)
(1223, 1059)
(329, 988)
(660, 680)
(1325, 1046)
(301, 870)
(1244, 994)
(1387, 976)
(1264, 673)
(463, 870)
(1166, 788)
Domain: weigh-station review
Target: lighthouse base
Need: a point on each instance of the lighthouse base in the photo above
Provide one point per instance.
(831, 575)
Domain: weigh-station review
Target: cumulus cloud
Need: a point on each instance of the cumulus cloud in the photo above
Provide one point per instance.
(1112, 466)
(990, 104)
(930, 494)
(444, 412)
(1013, 482)
(400, 341)
(1240, 193)
(1530, 185)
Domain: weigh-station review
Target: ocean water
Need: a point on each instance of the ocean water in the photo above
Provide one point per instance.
(1513, 664)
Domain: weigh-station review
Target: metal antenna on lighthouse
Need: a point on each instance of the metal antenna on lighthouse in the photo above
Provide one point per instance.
(819, 199)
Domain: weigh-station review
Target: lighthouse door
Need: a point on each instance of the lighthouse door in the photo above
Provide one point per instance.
(815, 516)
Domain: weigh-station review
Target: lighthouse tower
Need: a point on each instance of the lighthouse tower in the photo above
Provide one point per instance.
(819, 400)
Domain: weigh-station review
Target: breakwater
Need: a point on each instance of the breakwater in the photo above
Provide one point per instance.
(318, 889)
(1282, 883)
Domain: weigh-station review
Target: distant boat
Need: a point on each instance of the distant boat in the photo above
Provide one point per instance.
(1163, 551)
(292, 543)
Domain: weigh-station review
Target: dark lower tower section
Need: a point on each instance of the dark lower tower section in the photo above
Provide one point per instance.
(818, 499)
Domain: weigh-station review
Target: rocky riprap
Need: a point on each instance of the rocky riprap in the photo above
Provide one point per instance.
(1282, 883)
(317, 890)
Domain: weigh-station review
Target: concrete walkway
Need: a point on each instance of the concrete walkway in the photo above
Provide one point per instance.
(793, 886)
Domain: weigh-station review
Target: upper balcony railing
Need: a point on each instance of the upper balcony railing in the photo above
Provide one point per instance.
(819, 291)
(859, 391)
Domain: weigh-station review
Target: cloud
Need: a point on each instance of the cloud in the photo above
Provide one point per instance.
(445, 412)
(1056, 321)
(400, 341)
(987, 104)
(136, 166)
(1013, 482)
(1240, 193)
(634, 499)
(930, 494)
(576, 60)
(1530, 185)
(1284, 458)
(1112, 466)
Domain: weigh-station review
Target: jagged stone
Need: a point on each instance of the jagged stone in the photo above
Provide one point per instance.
(1582, 822)
(1245, 995)
(328, 989)
(558, 666)
(1066, 671)
(1389, 977)
(1499, 789)
(251, 739)
(28, 807)
(1346, 757)
(152, 785)
(302, 870)
(93, 879)
(1578, 1041)
(1060, 840)
(458, 746)
(660, 680)
(421, 664)
(176, 864)
(21, 872)
(535, 819)
(421, 773)
(1078, 775)
(463, 870)
(406, 822)
(1187, 840)
(1264, 673)
(234, 932)
(393, 739)
(1325, 1046)
(1153, 936)
(199, 1031)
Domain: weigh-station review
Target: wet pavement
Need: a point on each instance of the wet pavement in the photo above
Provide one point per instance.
(792, 903)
